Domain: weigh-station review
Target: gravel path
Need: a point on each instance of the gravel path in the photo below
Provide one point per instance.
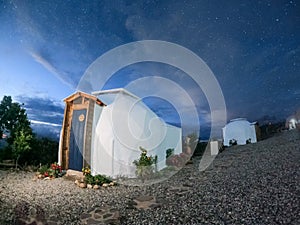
(251, 184)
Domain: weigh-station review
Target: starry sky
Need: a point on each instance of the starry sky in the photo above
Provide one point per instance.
(252, 48)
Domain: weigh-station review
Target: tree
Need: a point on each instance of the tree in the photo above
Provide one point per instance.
(44, 151)
(21, 144)
(14, 123)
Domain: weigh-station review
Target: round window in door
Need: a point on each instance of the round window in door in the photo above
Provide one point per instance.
(81, 118)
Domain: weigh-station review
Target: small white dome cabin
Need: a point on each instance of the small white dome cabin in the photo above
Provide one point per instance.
(291, 122)
(239, 131)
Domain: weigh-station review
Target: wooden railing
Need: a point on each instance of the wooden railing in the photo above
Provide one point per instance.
(8, 163)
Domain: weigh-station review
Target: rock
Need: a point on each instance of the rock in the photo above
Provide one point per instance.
(40, 176)
(144, 198)
(75, 174)
(85, 215)
(145, 202)
(105, 185)
(96, 186)
(89, 186)
(111, 184)
(82, 185)
(77, 182)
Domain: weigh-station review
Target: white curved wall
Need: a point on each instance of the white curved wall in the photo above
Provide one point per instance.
(121, 129)
(240, 130)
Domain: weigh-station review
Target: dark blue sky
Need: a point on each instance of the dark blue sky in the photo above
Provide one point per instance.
(252, 47)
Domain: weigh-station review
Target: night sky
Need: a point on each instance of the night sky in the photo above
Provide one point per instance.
(252, 48)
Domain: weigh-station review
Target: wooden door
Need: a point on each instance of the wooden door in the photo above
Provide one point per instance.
(77, 138)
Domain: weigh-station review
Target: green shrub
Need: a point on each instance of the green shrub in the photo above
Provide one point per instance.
(97, 179)
(233, 142)
(169, 152)
(101, 179)
(43, 169)
(54, 170)
(144, 165)
(89, 179)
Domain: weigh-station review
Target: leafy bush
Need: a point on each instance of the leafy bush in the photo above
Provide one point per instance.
(54, 170)
(144, 165)
(233, 142)
(248, 141)
(101, 179)
(89, 179)
(97, 179)
(169, 152)
(43, 169)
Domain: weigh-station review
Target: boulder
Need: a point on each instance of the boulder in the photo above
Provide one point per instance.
(82, 185)
(96, 186)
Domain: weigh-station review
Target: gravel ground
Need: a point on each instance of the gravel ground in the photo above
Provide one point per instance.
(252, 184)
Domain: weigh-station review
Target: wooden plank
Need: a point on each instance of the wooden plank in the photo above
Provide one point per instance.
(8, 164)
(88, 134)
(79, 106)
(70, 114)
(62, 152)
(84, 151)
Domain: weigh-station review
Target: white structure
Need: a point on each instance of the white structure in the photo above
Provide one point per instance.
(115, 131)
(214, 147)
(239, 131)
(291, 122)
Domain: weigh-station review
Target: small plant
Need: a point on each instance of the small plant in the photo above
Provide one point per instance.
(101, 179)
(233, 142)
(169, 152)
(86, 171)
(144, 165)
(43, 169)
(97, 179)
(89, 179)
(53, 172)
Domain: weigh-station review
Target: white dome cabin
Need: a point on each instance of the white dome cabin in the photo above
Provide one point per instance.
(106, 134)
(239, 132)
(291, 122)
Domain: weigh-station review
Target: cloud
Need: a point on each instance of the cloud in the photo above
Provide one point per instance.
(45, 123)
(45, 114)
(61, 76)
(43, 110)
(64, 54)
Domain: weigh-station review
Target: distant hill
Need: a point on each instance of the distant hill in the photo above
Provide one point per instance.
(268, 120)
(43, 130)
